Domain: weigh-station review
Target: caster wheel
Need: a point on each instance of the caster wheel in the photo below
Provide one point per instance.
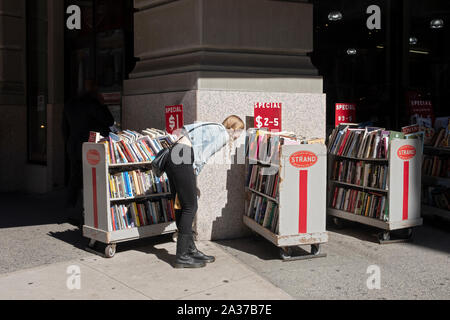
(285, 253)
(175, 237)
(409, 233)
(315, 249)
(385, 236)
(110, 251)
(92, 244)
(338, 223)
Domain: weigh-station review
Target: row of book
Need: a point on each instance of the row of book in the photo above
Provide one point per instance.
(132, 147)
(436, 166)
(264, 146)
(263, 180)
(348, 140)
(264, 212)
(361, 173)
(436, 131)
(136, 215)
(137, 183)
(441, 139)
(436, 196)
(361, 203)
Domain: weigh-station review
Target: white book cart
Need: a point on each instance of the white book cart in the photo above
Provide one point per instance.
(301, 200)
(403, 191)
(97, 201)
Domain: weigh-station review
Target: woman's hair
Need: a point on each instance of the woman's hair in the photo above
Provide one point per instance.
(234, 123)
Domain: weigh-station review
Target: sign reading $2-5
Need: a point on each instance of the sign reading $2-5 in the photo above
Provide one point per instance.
(174, 118)
(268, 115)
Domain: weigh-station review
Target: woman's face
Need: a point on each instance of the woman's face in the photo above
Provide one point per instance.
(235, 134)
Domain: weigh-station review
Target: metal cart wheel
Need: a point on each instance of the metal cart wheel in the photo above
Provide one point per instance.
(315, 249)
(338, 223)
(110, 251)
(409, 233)
(385, 236)
(92, 243)
(285, 253)
(175, 237)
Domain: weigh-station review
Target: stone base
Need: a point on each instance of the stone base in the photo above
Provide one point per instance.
(222, 202)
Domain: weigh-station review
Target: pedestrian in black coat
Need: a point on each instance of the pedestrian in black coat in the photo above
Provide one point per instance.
(82, 115)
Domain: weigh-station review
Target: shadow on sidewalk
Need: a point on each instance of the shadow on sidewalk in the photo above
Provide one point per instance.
(147, 246)
(23, 210)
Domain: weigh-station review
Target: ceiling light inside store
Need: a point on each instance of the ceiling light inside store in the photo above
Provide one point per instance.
(335, 16)
(352, 52)
(419, 51)
(437, 24)
(413, 40)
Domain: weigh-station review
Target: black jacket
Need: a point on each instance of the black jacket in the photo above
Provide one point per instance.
(81, 116)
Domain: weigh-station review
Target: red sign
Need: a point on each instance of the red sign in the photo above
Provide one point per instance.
(406, 153)
(93, 157)
(345, 113)
(423, 108)
(174, 118)
(411, 129)
(303, 159)
(268, 115)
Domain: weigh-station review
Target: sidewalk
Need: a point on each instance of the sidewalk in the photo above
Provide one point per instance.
(142, 274)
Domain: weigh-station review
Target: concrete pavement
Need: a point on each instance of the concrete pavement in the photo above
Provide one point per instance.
(142, 274)
(37, 247)
(411, 271)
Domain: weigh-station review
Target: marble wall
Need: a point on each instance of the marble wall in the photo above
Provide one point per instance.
(221, 206)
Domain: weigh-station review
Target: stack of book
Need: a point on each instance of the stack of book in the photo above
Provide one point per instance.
(264, 211)
(368, 204)
(136, 215)
(363, 174)
(131, 147)
(137, 183)
(348, 140)
(260, 179)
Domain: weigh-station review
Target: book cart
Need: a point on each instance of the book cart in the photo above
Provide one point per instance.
(433, 178)
(300, 201)
(97, 201)
(403, 191)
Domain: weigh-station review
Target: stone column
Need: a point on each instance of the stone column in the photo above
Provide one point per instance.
(217, 58)
(13, 119)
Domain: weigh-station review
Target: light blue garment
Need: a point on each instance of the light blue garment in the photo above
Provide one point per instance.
(207, 139)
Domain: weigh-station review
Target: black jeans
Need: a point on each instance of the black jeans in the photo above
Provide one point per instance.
(182, 181)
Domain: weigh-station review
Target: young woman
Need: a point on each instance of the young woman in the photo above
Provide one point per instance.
(196, 145)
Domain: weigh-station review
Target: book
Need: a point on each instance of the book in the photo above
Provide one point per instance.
(368, 204)
(130, 184)
(136, 215)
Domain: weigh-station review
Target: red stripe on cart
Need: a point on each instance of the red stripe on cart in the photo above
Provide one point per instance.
(406, 191)
(303, 202)
(95, 198)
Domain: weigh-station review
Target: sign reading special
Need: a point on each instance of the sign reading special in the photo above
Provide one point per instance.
(174, 118)
(407, 153)
(345, 113)
(303, 159)
(268, 116)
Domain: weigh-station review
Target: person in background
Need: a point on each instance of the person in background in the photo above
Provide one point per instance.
(196, 145)
(82, 115)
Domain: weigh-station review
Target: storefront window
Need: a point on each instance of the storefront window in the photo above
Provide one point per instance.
(101, 51)
(37, 93)
(381, 70)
